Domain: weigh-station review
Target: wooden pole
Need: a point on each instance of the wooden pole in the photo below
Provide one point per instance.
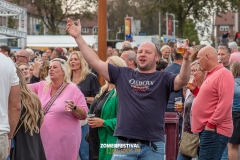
(102, 33)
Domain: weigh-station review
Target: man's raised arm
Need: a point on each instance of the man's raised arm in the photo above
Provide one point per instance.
(183, 77)
(89, 55)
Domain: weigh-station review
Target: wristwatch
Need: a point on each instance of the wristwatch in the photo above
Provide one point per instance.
(74, 108)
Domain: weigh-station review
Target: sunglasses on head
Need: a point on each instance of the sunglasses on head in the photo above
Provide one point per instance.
(20, 56)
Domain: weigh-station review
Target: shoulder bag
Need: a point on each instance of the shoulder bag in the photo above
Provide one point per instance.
(189, 144)
(50, 102)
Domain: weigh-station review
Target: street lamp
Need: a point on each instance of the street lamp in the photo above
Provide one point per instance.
(117, 34)
(174, 27)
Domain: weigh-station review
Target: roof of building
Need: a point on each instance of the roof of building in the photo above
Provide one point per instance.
(85, 22)
(225, 19)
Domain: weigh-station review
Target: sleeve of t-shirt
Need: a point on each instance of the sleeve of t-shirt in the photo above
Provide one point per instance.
(113, 72)
(15, 79)
(169, 79)
(34, 87)
(80, 101)
(34, 79)
(95, 86)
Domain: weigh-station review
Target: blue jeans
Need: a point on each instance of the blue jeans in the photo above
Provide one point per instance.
(225, 154)
(212, 145)
(183, 157)
(143, 153)
(84, 146)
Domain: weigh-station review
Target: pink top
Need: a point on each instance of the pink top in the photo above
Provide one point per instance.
(234, 57)
(214, 101)
(60, 131)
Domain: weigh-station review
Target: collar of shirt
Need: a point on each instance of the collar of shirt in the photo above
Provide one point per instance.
(215, 69)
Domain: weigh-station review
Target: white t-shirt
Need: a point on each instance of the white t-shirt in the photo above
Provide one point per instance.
(8, 79)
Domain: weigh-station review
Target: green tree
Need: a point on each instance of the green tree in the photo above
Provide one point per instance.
(190, 31)
(41, 30)
(198, 10)
(11, 23)
(53, 12)
(118, 10)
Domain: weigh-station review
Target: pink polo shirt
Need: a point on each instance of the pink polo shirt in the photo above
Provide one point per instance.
(214, 101)
(235, 57)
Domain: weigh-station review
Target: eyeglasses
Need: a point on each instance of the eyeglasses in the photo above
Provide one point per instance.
(20, 56)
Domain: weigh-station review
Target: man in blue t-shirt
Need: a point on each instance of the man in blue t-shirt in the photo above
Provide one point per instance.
(175, 68)
(142, 98)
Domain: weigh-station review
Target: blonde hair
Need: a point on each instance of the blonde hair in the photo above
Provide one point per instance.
(196, 49)
(43, 73)
(64, 68)
(235, 69)
(32, 105)
(83, 66)
(169, 57)
(117, 61)
(25, 64)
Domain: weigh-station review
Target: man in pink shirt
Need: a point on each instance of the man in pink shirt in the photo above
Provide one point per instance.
(235, 54)
(212, 107)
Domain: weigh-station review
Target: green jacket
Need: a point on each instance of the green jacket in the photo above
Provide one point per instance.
(109, 115)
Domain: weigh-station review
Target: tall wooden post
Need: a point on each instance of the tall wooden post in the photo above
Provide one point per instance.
(102, 33)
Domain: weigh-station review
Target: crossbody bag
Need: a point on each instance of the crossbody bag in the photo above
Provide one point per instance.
(51, 101)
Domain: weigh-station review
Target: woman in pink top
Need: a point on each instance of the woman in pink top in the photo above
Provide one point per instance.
(60, 129)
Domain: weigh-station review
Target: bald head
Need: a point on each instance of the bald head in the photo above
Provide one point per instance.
(23, 56)
(155, 48)
(207, 58)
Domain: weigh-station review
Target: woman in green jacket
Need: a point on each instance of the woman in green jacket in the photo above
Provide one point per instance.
(102, 126)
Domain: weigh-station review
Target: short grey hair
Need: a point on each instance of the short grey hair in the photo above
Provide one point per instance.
(126, 44)
(225, 48)
(232, 45)
(132, 56)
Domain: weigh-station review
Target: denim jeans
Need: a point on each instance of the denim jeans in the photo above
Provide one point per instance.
(143, 153)
(225, 154)
(183, 157)
(212, 145)
(84, 146)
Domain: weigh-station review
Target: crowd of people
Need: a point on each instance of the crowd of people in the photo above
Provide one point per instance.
(53, 107)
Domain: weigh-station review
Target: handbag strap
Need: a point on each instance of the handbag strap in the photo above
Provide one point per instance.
(21, 119)
(50, 102)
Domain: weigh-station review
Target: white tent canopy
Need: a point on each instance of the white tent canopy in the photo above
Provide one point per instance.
(58, 40)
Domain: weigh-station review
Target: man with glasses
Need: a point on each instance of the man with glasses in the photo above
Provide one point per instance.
(235, 54)
(22, 57)
(49, 52)
(224, 55)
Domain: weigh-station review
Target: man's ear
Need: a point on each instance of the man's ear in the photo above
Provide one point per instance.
(130, 61)
(157, 58)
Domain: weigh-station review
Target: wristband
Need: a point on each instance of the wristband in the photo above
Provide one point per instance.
(74, 108)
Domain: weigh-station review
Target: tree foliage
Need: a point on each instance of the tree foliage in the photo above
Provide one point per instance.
(11, 23)
(190, 31)
(198, 10)
(118, 10)
(52, 12)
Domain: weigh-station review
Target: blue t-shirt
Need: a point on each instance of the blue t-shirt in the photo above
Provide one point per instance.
(142, 99)
(236, 97)
(174, 68)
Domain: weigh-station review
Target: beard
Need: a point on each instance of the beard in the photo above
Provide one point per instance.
(146, 67)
